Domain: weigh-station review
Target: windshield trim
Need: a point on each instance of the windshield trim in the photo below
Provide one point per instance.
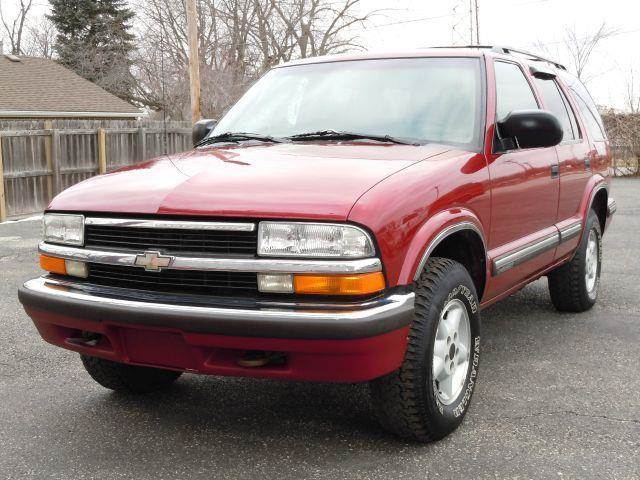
(337, 59)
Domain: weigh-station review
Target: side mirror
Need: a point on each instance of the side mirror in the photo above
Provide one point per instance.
(201, 129)
(531, 128)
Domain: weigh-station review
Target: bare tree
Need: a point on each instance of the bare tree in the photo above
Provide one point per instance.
(623, 129)
(632, 93)
(581, 47)
(577, 48)
(318, 27)
(15, 28)
(238, 40)
(40, 39)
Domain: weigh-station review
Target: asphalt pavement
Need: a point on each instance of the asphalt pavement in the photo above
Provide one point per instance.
(558, 397)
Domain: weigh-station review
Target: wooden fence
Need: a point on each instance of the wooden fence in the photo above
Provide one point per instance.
(40, 159)
(626, 161)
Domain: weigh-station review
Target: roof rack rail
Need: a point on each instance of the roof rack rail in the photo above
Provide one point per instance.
(533, 56)
(464, 46)
(508, 51)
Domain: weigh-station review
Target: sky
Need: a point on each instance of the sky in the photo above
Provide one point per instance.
(410, 24)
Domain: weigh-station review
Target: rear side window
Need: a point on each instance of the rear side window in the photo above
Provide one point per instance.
(556, 102)
(590, 119)
(588, 109)
(513, 92)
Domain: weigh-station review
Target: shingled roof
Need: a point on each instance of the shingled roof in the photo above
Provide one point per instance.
(32, 87)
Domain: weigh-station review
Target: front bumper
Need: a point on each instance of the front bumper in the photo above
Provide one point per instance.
(350, 343)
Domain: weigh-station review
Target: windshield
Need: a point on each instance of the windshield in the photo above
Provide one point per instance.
(427, 99)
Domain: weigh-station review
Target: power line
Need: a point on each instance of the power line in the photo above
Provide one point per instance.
(558, 42)
(414, 20)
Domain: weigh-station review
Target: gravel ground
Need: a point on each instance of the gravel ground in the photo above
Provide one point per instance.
(558, 396)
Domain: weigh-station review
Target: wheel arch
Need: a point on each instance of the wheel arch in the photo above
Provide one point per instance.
(600, 197)
(464, 242)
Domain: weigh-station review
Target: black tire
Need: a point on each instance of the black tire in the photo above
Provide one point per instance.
(128, 378)
(568, 284)
(406, 401)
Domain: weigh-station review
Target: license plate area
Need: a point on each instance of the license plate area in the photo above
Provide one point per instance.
(158, 348)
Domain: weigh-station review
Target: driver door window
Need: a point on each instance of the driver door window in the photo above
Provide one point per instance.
(513, 91)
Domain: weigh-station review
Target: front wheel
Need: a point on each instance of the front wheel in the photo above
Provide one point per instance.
(428, 396)
(574, 285)
(128, 378)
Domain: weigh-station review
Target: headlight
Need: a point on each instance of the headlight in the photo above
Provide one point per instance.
(64, 228)
(276, 239)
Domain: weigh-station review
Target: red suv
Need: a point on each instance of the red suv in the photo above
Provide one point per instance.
(346, 221)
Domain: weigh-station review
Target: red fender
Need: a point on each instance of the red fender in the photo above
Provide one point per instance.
(431, 233)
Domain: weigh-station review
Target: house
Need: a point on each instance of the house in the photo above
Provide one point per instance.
(33, 88)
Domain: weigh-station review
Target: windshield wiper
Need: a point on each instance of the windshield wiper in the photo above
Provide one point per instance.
(335, 135)
(238, 137)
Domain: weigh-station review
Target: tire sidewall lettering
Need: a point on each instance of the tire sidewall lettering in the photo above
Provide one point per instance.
(471, 381)
(593, 294)
(459, 407)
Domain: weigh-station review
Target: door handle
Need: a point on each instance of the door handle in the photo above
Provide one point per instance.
(555, 171)
(587, 163)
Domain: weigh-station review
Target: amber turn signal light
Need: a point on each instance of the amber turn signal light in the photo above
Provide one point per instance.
(63, 267)
(339, 284)
(53, 264)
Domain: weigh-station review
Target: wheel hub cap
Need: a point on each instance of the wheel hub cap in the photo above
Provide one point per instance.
(591, 262)
(451, 351)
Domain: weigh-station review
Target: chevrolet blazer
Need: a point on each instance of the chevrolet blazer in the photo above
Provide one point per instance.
(346, 221)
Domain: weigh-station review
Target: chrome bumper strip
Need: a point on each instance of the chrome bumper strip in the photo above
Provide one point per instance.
(259, 265)
(389, 313)
(172, 224)
(612, 207)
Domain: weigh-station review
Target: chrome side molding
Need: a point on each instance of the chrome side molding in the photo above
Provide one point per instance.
(220, 264)
(511, 259)
(174, 224)
(571, 231)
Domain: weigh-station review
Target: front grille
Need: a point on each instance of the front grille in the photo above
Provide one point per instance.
(175, 281)
(171, 241)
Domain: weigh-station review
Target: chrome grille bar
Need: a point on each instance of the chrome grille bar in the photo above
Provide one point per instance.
(172, 224)
(221, 264)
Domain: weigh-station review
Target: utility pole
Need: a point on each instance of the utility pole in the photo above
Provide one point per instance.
(194, 59)
(477, 23)
(474, 12)
(470, 22)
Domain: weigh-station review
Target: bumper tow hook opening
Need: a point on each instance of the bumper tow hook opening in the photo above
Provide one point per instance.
(260, 358)
(88, 339)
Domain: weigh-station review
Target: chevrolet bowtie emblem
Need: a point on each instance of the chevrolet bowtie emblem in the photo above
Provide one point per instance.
(153, 261)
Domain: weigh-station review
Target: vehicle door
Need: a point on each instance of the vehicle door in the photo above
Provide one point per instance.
(574, 158)
(524, 188)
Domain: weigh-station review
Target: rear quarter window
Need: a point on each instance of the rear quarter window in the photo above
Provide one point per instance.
(557, 104)
(588, 109)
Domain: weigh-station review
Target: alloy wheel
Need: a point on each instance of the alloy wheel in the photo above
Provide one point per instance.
(451, 351)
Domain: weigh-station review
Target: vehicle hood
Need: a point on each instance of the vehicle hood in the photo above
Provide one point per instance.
(302, 181)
